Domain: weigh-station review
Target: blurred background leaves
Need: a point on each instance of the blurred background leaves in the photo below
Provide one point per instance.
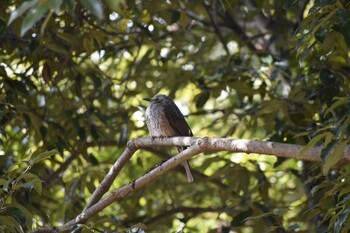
(72, 78)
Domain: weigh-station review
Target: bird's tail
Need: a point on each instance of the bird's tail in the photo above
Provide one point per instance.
(187, 167)
(188, 172)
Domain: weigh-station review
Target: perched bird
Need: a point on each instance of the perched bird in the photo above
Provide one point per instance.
(164, 119)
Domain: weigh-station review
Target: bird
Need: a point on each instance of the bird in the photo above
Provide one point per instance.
(164, 119)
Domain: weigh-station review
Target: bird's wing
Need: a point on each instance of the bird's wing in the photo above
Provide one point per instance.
(177, 121)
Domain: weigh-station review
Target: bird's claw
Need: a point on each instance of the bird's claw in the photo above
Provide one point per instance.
(160, 137)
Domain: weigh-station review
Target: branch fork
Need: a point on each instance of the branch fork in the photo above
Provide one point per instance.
(194, 146)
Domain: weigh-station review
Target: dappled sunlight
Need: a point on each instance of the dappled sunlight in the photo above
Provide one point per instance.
(272, 74)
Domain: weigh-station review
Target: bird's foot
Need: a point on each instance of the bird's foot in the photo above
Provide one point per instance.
(160, 137)
(163, 161)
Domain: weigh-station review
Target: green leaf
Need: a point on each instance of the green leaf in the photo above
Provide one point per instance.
(117, 5)
(95, 7)
(54, 5)
(344, 24)
(20, 10)
(175, 16)
(327, 149)
(13, 168)
(37, 185)
(54, 47)
(3, 181)
(2, 96)
(70, 5)
(334, 157)
(289, 3)
(239, 219)
(26, 214)
(33, 16)
(27, 119)
(313, 142)
(202, 98)
(33, 181)
(338, 226)
(10, 224)
(44, 155)
(92, 159)
(3, 132)
(27, 176)
(339, 102)
(18, 85)
(43, 131)
(242, 88)
(17, 214)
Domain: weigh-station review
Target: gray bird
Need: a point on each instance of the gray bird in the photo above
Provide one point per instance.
(164, 119)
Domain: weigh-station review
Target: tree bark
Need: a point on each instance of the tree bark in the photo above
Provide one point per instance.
(195, 147)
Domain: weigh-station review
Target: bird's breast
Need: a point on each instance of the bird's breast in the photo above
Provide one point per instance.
(157, 122)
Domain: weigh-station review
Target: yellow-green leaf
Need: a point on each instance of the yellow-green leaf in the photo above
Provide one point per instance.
(44, 155)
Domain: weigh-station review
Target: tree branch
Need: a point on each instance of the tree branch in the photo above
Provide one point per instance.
(214, 22)
(195, 146)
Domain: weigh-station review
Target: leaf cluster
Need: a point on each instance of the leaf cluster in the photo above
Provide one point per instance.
(72, 78)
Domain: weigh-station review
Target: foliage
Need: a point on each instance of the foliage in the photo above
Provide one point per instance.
(73, 75)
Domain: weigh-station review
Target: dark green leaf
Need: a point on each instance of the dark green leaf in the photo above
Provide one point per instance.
(82, 133)
(43, 131)
(33, 16)
(17, 214)
(28, 216)
(93, 159)
(94, 133)
(289, 3)
(3, 132)
(334, 157)
(27, 120)
(70, 4)
(175, 16)
(327, 150)
(202, 98)
(239, 219)
(95, 7)
(20, 10)
(19, 86)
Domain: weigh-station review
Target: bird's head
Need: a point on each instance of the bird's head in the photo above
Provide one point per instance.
(157, 98)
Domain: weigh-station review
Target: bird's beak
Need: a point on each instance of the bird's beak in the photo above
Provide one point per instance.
(148, 99)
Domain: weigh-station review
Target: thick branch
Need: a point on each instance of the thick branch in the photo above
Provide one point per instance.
(111, 175)
(195, 146)
(285, 150)
(137, 184)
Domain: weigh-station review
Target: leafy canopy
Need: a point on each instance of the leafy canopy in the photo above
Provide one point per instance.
(73, 75)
